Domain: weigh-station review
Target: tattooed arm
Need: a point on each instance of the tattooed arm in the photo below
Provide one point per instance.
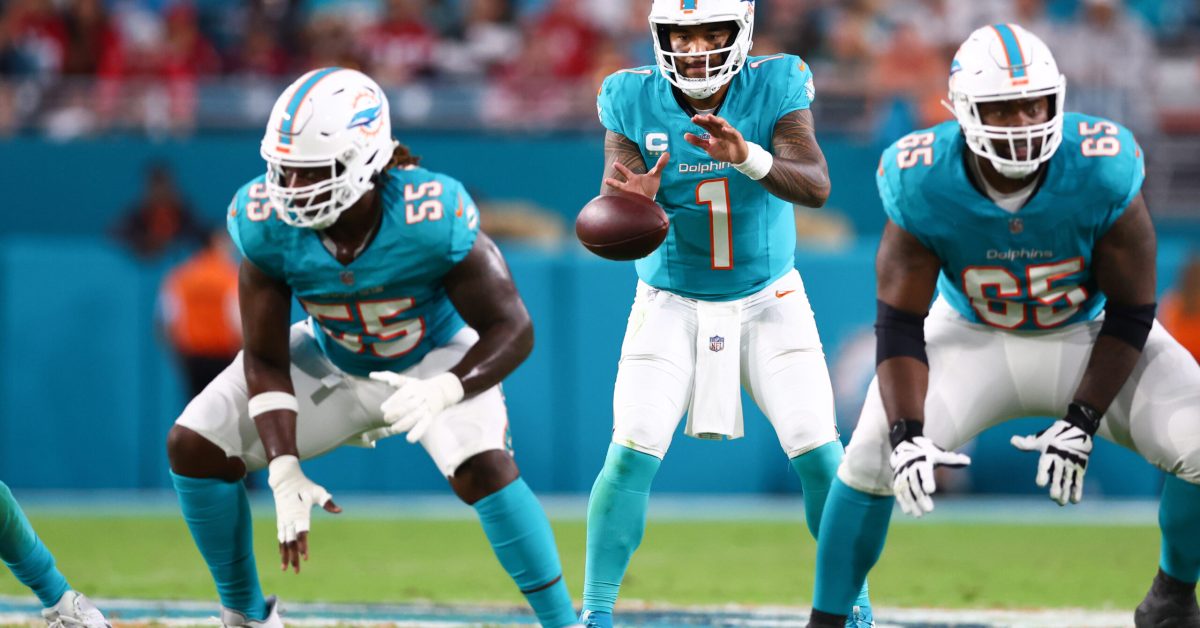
(623, 159)
(799, 174)
(619, 149)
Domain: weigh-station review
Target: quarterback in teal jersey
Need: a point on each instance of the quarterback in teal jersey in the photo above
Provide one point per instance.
(724, 142)
(1030, 226)
(413, 321)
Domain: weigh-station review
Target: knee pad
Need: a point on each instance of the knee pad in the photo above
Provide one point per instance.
(859, 471)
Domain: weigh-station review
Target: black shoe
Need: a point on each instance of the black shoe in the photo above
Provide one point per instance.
(819, 619)
(1170, 603)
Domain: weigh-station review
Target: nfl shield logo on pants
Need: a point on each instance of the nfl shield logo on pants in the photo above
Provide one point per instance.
(716, 343)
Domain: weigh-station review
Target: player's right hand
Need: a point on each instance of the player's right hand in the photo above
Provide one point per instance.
(913, 460)
(295, 495)
(644, 184)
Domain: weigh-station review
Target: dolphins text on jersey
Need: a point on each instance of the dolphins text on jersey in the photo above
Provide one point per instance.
(729, 237)
(1031, 269)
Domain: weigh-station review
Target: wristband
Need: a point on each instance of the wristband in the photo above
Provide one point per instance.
(905, 429)
(282, 467)
(758, 162)
(1083, 417)
(273, 400)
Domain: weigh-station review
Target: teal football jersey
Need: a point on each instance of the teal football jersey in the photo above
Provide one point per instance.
(387, 308)
(1026, 270)
(728, 237)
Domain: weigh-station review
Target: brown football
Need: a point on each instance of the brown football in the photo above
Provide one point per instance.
(621, 226)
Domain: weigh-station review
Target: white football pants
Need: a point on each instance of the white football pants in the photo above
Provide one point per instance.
(980, 376)
(336, 407)
(782, 367)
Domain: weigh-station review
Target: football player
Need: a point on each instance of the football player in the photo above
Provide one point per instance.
(1030, 224)
(413, 322)
(724, 142)
(33, 565)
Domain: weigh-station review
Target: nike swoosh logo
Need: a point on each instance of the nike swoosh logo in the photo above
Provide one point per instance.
(779, 294)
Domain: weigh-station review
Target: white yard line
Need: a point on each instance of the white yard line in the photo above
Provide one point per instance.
(24, 612)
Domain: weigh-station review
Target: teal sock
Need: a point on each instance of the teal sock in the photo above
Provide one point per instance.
(25, 555)
(520, 535)
(218, 514)
(817, 469)
(616, 522)
(1179, 518)
(855, 527)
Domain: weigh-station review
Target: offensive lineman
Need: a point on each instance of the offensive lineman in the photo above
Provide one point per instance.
(1041, 248)
(719, 305)
(400, 286)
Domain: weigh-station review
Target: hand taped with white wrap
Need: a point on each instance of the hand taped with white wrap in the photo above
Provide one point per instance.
(415, 405)
(913, 460)
(295, 496)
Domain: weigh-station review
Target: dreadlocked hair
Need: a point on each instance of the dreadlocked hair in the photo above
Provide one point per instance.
(402, 157)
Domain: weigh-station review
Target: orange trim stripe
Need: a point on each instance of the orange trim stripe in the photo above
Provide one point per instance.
(1012, 46)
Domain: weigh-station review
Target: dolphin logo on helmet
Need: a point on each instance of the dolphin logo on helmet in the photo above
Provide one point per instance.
(320, 121)
(1006, 62)
(366, 117)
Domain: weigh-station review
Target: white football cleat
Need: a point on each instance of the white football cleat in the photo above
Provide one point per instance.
(74, 610)
(235, 619)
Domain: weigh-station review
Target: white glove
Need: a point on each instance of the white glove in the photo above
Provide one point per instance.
(913, 460)
(295, 495)
(416, 402)
(1065, 449)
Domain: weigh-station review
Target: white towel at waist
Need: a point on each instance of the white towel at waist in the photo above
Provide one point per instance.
(716, 408)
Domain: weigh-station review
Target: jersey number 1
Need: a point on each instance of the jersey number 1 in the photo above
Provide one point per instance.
(715, 194)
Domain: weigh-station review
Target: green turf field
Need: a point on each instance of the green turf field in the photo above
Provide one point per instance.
(951, 565)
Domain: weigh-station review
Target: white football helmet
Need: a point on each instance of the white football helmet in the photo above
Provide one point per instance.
(666, 13)
(1007, 62)
(329, 118)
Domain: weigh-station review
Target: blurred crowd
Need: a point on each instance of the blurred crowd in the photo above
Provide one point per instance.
(71, 67)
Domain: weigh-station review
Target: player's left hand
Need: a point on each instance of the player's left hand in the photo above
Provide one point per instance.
(416, 402)
(723, 142)
(1065, 449)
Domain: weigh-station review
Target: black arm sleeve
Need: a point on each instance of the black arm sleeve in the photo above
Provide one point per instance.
(898, 333)
(1129, 323)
